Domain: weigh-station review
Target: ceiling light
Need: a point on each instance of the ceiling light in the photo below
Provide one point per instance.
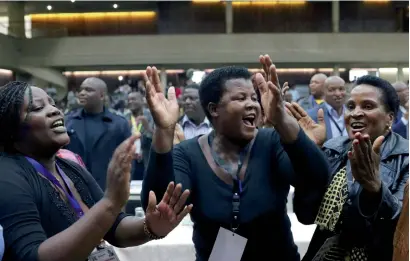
(49, 7)
(120, 78)
(72, 1)
(115, 6)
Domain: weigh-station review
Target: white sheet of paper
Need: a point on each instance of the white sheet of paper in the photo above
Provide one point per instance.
(105, 254)
(228, 246)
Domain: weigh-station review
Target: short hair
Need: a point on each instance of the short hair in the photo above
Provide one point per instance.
(389, 95)
(213, 85)
(11, 104)
(192, 86)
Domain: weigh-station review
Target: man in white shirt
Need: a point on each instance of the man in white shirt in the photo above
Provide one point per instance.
(333, 107)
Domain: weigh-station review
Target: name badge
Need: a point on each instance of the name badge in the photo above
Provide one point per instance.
(104, 254)
(228, 246)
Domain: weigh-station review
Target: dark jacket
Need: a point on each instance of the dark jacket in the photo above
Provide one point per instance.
(400, 128)
(376, 230)
(116, 131)
(308, 103)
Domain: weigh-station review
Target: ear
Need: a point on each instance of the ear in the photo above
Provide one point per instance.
(213, 109)
(390, 118)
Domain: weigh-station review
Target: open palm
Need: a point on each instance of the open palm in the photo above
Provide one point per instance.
(164, 217)
(315, 131)
(165, 112)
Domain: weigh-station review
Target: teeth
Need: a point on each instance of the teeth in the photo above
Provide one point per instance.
(57, 123)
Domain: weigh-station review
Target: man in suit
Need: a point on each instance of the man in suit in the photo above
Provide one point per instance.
(333, 107)
(94, 131)
(401, 122)
(316, 89)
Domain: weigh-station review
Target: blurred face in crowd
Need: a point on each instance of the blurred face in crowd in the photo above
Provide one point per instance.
(92, 94)
(191, 104)
(402, 90)
(135, 101)
(42, 123)
(316, 85)
(335, 92)
(238, 113)
(366, 112)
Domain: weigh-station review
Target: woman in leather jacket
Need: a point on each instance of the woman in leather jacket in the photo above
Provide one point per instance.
(363, 200)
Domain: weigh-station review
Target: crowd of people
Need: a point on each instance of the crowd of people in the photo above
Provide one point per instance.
(228, 159)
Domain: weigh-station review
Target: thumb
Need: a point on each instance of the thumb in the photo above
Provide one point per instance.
(377, 144)
(321, 117)
(261, 83)
(152, 202)
(171, 94)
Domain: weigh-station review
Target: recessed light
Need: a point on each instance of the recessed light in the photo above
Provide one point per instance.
(49, 7)
(115, 6)
(72, 1)
(120, 78)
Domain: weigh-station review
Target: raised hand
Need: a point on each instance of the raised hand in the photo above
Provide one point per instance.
(119, 173)
(164, 217)
(165, 112)
(365, 160)
(315, 131)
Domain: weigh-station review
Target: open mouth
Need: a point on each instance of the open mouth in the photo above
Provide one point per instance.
(249, 120)
(58, 126)
(357, 126)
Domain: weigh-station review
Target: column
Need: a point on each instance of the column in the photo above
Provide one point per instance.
(399, 75)
(228, 17)
(163, 78)
(335, 16)
(15, 12)
(336, 70)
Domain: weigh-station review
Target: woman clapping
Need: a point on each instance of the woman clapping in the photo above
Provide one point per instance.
(51, 209)
(238, 175)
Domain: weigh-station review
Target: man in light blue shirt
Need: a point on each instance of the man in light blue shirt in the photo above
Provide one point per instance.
(333, 107)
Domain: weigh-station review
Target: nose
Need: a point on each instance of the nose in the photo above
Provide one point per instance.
(53, 111)
(356, 112)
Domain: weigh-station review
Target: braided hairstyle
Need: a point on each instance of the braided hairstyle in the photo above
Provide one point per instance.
(11, 104)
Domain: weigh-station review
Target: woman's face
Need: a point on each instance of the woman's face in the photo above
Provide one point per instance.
(366, 113)
(238, 111)
(42, 123)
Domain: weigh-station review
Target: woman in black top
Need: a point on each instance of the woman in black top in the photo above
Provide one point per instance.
(51, 208)
(251, 201)
(369, 171)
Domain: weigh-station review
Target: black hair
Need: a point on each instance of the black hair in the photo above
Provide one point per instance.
(213, 85)
(192, 86)
(389, 95)
(11, 105)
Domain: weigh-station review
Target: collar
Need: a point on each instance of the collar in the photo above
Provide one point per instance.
(106, 115)
(185, 119)
(393, 144)
(403, 110)
(331, 110)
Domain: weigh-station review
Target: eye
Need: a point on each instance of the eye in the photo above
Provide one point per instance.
(37, 108)
(368, 106)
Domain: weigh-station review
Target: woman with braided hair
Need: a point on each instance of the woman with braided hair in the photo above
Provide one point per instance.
(51, 209)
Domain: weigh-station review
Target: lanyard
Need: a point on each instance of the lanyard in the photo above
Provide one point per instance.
(335, 122)
(73, 202)
(135, 127)
(237, 183)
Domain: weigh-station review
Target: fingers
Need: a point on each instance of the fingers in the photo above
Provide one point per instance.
(152, 202)
(149, 88)
(321, 117)
(293, 111)
(275, 91)
(155, 80)
(168, 194)
(175, 195)
(274, 76)
(181, 202)
(172, 95)
(299, 109)
(266, 63)
(285, 88)
(377, 144)
(184, 212)
(261, 83)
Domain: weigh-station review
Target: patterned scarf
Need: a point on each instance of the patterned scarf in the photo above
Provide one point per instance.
(329, 214)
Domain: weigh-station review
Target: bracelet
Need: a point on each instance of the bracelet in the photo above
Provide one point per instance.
(149, 234)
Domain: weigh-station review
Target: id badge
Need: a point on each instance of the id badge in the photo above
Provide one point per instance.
(104, 254)
(228, 246)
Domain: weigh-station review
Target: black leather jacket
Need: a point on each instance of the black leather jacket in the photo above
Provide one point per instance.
(375, 231)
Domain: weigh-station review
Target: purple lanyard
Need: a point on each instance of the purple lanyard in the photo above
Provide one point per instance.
(73, 202)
